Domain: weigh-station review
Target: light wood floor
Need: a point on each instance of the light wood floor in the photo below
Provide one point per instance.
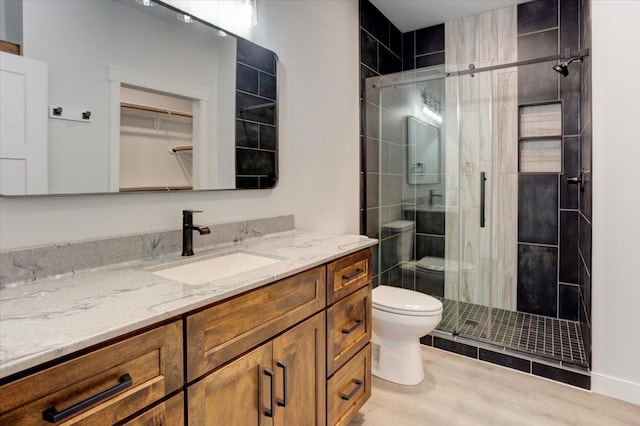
(462, 391)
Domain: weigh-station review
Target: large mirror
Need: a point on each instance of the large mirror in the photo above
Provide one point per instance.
(131, 95)
(423, 152)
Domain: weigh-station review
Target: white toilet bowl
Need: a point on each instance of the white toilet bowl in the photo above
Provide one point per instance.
(400, 318)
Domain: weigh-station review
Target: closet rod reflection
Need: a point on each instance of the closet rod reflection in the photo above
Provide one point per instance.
(153, 109)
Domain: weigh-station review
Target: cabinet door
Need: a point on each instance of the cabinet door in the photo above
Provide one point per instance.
(299, 358)
(170, 413)
(220, 333)
(240, 393)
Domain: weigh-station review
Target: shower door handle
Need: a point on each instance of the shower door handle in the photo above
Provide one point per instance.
(483, 181)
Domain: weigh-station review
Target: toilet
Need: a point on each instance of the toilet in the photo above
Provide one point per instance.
(400, 318)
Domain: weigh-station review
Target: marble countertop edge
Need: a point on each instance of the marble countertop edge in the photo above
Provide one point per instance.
(32, 313)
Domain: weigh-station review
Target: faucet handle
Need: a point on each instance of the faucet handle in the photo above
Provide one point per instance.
(191, 211)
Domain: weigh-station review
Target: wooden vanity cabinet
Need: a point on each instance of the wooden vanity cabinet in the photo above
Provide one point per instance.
(282, 382)
(295, 352)
(224, 331)
(102, 387)
(349, 326)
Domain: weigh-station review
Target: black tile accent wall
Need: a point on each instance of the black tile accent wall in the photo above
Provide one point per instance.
(381, 45)
(256, 130)
(368, 50)
(537, 279)
(429, 245)
(569, 257)
(256, 56)
(505, 360)
(537, 83)
(531, 366)
(457, 347)
(389, 62)
(427, 222)
(538, 208)
(429, 283)
(430, 60)
(247, 79)
(254, 162)
(561, 375)
(537, 15)
(408, 51)
(585, 241)
(569, 302)
(571, 168)
(372, 20)
(268, 137)
(423, 47)
(247, 134)
(430, 39)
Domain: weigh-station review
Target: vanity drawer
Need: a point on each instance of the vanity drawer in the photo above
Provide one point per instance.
(224, 331)
(348, 274)
(348, 328)
(109, 384)
(349, 388)
(170, 413)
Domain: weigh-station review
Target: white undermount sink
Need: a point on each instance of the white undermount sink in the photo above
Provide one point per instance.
(207, 270)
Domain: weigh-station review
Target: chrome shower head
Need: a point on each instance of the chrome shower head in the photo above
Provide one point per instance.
(564, 68)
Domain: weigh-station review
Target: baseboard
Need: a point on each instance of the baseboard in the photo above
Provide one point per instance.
(615, 388)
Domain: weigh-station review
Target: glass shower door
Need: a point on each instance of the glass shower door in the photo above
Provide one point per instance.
(470, 177)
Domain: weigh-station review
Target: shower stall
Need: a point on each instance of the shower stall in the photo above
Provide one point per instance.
(459, 202)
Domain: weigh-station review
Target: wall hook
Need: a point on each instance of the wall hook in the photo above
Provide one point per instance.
(57, 111)
(86, 115)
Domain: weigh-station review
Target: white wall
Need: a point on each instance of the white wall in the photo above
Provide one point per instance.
(616, 199)
(317, 43)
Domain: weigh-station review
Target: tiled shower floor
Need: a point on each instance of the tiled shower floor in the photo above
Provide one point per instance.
(547, 337)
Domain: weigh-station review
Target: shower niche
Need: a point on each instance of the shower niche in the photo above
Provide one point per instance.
(540, 138)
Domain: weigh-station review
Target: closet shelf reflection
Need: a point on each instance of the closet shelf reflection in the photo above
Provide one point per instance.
(155, 109)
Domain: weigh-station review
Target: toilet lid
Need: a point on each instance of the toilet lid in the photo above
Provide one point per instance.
(428, 263)
(406, 302)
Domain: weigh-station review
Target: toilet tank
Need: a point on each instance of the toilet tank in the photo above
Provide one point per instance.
(404, 242)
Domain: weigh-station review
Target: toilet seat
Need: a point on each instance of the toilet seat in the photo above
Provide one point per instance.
(405, 302)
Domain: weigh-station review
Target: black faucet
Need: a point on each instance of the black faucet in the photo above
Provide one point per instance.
(432, 195)
(187, 231)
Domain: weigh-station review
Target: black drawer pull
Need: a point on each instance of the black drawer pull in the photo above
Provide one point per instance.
(353, 327)
(357, 273)
(52, 415)
(354, 391)
(283, 402)
(272, 377)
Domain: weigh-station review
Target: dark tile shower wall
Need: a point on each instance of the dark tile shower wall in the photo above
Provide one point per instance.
(385, 50)
(548, 206)
(255, 129)
(584, 247)
(380, 53)
(423, 48)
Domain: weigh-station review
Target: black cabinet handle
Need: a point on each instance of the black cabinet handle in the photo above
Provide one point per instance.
(52, 415)
(483, 180)
(272, 378)
(354, 391)
(357, 273)
(283, 402)
(353, 327)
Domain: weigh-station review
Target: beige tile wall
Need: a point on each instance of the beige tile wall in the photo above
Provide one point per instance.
(482, 135)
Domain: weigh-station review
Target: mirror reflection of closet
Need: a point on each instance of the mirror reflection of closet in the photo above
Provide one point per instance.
(156, 141)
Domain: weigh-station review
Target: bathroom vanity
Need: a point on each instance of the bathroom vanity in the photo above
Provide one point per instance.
(286, 343)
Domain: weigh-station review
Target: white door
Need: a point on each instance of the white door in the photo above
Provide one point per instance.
(23, 125)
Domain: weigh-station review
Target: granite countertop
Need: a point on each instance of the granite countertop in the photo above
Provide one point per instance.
(46, 319)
